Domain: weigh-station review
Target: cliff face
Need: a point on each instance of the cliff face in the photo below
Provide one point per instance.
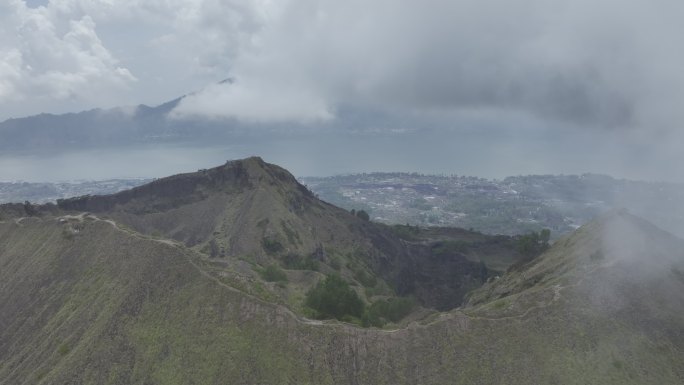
(82, 301)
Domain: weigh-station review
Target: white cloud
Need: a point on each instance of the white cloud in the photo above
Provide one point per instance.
(10, 73)
(604, 63)
(46, 60)
(255, 105)
(78, 54)
(608, 63)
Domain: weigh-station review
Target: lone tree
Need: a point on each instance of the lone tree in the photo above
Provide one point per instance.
(29, 209)
(544, 237)
(363, 215)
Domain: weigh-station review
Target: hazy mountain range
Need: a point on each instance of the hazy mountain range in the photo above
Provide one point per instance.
(144, 125)
(95, 129)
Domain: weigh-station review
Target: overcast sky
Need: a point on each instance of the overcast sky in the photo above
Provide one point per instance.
(603, 75)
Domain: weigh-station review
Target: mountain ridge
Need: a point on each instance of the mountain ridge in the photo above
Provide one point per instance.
(104, 128)
(109, 305)
(251, 214)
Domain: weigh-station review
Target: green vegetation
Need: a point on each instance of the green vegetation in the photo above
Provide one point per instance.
(360, 274)
(273, 273)
(212, 249)
(407, 232)
(533, 244)
(272, 246)
(500, 304)
(334, 298)
(292, 236)
(449, 247)
(297, 262)
(363, 215)
(335, 263)
(263, 223)
(389, 310)
(117, 307)
(63, 349)
(244, 210)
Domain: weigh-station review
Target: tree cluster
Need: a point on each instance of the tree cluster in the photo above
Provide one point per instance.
(533, 244)
(388, 310)
(334, 298)
(273, 273)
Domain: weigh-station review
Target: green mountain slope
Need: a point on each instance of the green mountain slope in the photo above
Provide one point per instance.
(85, 302)
(167, 284)
(248, 214)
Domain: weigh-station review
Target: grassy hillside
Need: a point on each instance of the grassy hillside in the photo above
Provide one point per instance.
(85, 302)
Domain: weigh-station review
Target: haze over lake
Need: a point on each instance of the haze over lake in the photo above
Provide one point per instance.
(494, 155)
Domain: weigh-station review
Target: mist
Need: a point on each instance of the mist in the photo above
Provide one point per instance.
(461, 87)
(634, 262)
(493, 154)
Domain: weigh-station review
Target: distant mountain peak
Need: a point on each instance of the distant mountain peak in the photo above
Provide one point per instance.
(239, 203)
(233, 176)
